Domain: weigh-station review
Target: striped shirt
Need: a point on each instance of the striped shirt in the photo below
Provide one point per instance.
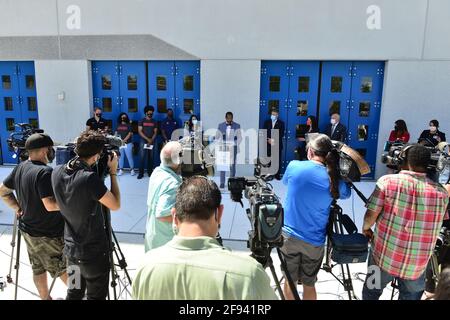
(410, 210)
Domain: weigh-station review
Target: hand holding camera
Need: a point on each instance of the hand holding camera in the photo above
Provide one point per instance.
(113, 163)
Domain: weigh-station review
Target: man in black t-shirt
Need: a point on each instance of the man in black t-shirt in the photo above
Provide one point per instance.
(40, 223)
(97, 123)
(80, 194)
(148, 130)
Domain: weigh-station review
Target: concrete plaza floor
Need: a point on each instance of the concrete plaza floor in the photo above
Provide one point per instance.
(129, 225)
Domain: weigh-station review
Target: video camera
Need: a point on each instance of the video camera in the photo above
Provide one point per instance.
(16, 140)
(195, 157)
(265, 213)
(395, 157)
(113, 143)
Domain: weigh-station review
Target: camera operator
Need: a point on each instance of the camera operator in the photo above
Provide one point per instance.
(162, 189)
(40, 224)
(81, 195)
(311, 187)
(408, 209)
(193, 265)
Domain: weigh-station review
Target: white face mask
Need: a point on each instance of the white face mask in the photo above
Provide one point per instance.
(194, 122)
(333, 121)
(433, 128)
(274, 118)
(174, 228)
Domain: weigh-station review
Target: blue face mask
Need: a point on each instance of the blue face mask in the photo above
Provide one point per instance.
(274, 118)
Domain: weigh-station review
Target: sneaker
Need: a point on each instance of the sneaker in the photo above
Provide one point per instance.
(140, 176)
(132, 172)
(120, 172)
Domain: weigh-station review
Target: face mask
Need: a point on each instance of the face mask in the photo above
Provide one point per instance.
(149, 115)
(333, 121)
(194, 122)
(124, 119)
(51, 155)
(433, 128)
(98, 115)
(396, 128)
(274, 118)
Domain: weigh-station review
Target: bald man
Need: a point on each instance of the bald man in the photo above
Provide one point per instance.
(336, 130)
(162, 189)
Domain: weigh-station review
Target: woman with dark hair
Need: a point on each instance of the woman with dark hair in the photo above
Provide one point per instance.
(400, 132)
(125, 132)
(311, 127)
(432, 136)
(311, 188)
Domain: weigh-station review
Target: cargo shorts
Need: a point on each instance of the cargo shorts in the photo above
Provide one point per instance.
(303, 260)
(46, 254)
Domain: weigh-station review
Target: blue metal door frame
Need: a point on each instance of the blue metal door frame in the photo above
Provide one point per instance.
(302, 102)
(352, 89)
(106, 89)
(335, 91)
(365, 109)
(18, 102)
(275, 94)
(187, 90)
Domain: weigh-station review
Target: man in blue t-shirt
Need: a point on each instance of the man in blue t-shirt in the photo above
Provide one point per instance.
(311, 188)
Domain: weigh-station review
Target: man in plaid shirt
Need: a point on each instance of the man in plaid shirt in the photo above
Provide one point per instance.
(408, 209)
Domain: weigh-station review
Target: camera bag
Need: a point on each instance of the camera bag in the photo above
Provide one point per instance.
(349, 248)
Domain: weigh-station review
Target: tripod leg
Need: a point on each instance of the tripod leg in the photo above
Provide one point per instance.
(17, 264)
(288, 277)
(13, 244)
(275, 278)
(51, 287)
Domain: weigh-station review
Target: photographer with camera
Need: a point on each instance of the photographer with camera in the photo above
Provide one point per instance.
(162, 189)
(83, 198)
(311, 188)
(40, 223)
(193, 265)
(408, 209)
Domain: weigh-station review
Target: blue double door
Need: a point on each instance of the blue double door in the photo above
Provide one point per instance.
(301, 89)
(18, 103)
(128, 86)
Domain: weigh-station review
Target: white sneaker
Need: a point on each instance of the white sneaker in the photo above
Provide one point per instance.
(133, 172)
(120, 172)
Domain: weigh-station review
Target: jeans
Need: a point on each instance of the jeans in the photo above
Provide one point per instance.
(145, 155)
(409, 289)
(88, 277)
(128, 151)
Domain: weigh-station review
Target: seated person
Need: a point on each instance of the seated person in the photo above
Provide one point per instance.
(433, 136)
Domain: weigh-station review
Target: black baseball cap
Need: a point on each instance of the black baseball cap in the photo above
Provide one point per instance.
(38, 140)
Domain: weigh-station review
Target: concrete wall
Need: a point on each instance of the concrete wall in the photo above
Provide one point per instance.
(417, 92)
(231, 85)
(63, 119)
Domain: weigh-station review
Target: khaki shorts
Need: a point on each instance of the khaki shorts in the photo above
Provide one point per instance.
(46, 254)
(303, 260)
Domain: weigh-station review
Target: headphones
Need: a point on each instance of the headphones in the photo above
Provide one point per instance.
(76, 164)
(403, 155)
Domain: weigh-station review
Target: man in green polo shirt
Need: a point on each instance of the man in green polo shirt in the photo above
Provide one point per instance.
(162, 189)
(193, 266)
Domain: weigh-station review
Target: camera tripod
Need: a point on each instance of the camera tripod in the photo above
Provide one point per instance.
(115, 251)
(16, 240)
(336, 224)
(266, 260)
